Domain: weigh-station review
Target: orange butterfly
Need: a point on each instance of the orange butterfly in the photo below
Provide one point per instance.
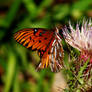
(46, 42)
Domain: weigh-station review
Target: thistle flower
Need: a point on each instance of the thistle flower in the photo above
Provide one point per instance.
(81, 39)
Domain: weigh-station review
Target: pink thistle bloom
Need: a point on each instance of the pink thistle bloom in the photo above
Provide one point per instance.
(80, 38)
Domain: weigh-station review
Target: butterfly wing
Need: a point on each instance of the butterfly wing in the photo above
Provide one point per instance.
(56, 56)
(36, 39)
(45, 43)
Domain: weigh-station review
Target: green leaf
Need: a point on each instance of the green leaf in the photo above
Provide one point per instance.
(79, 7)
(10, 71)
(31, 8)
(12, 13)
(16, 87)
(22, 54)
(80, 73)
(60, 12)
(10, 16)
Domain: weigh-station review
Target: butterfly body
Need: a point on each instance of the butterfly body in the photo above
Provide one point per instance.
(46, 42)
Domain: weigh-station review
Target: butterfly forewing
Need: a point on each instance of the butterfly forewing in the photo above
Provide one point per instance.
(46, 43)
(35, 38)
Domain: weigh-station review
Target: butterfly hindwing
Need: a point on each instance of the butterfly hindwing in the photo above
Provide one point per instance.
(56, 56)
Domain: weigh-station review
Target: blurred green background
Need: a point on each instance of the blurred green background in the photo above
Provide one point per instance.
(17, 64)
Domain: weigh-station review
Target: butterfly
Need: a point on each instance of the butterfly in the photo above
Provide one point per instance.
(46, 42)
